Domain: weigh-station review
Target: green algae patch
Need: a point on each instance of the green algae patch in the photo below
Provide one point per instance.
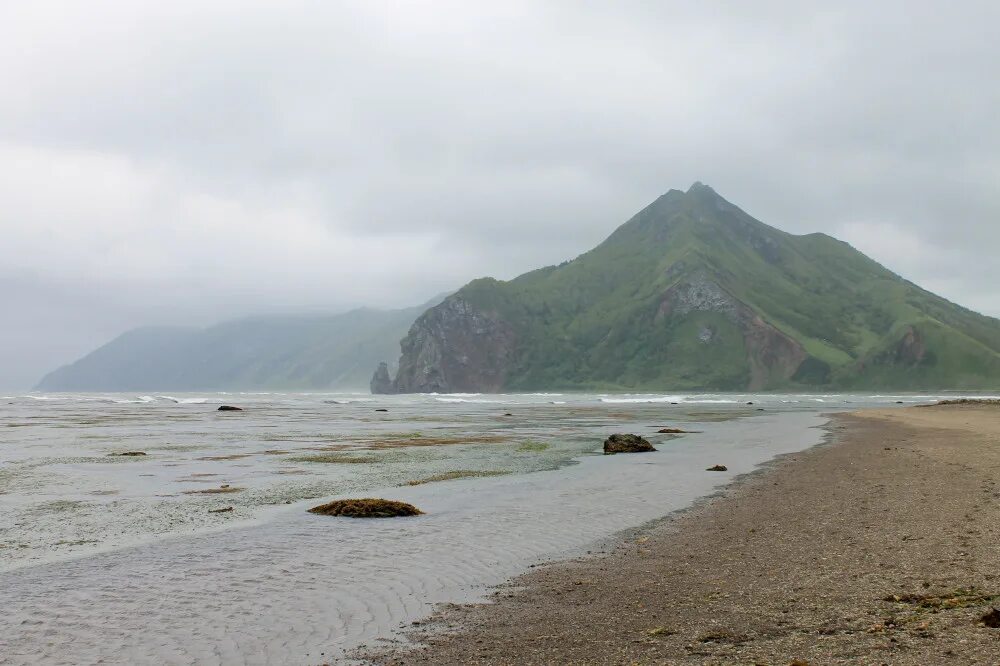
(457, 474)
(533, 447)
(58, 506)
(367, 507)
(389, 440)
(660, 631)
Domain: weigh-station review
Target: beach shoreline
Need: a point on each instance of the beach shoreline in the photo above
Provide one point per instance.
(301, 589)
(876, 546)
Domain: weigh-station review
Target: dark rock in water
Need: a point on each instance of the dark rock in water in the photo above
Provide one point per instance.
(671, 431)
(381, 409)
(991, 619)
(717, 468)
(229, 408)
(381, 383)
(128, 453)
(618, 443)
(508, 414)
(749, 403)
(368, 507)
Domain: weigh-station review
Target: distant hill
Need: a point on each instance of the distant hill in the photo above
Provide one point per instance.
(693, 293)
(268, 353)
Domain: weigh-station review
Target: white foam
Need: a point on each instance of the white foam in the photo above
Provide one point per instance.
(466, 400)
(645, 399)
(184, 401)
(143, 399)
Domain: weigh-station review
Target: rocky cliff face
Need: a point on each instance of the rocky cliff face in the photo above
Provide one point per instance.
(773, 356)
(381, 381)
(455, 347)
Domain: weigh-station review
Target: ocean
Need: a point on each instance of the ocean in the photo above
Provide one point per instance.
(201, 551)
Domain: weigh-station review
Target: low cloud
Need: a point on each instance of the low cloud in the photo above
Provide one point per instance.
(185, 162)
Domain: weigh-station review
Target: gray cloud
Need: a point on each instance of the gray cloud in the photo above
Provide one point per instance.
(188, 161)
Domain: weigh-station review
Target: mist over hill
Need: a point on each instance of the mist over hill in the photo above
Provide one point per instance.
(268, 352)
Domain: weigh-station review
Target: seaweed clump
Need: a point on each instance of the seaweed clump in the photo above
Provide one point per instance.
(619, 443)
(368, 507)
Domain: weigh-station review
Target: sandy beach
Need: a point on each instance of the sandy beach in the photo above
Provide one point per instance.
(878, 547)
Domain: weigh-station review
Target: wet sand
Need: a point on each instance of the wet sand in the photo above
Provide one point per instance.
(880, 547)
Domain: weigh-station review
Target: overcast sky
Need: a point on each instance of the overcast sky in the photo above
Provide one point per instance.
(188, 161)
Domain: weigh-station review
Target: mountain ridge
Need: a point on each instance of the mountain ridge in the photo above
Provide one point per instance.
(693, 292)
(293, 352)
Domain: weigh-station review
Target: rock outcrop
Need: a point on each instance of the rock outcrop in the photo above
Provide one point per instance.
(381, 383)
(455, 347)
(773, 356)
(618, 443)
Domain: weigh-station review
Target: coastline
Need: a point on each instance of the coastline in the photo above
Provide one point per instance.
(303, 590)
(878, 547)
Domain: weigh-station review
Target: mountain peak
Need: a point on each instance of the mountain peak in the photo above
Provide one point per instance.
(698, 187)
(703, 194)
(694, 293)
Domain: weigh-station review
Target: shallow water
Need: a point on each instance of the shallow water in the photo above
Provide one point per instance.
(269, 583)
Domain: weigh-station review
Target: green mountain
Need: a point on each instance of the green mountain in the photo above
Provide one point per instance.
(268, 353)
(693, 293)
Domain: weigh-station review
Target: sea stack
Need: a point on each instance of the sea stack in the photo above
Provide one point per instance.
(381, 381)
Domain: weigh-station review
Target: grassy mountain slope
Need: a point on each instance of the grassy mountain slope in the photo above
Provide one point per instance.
(694, 293)
(281, 353)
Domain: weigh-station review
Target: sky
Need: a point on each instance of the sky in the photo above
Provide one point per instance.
(189, 161)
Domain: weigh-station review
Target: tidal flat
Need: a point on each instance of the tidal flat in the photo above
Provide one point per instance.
(510, 481)
(877, 548)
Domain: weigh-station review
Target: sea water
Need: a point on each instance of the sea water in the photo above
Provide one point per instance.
(127, 559)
